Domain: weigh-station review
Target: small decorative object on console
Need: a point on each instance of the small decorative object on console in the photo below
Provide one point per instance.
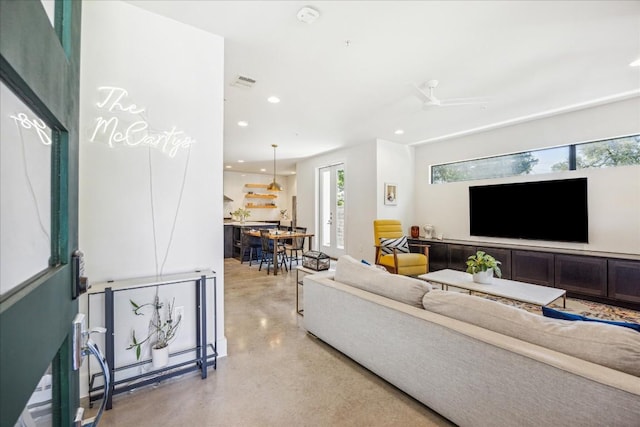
(315, 260)
(415, 231)
(428, 231)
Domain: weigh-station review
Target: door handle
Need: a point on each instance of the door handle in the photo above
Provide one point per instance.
(83, 346)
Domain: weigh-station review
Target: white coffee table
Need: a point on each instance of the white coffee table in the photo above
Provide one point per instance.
(518, 291)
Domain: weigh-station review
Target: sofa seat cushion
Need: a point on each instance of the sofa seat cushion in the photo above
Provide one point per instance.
(407, 264)
(406, 260)
(607, 345)
(372, 279)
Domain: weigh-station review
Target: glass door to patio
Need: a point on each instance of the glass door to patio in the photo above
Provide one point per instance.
(331, 210)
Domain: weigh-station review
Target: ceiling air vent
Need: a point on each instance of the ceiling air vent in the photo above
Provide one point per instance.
(242, 81)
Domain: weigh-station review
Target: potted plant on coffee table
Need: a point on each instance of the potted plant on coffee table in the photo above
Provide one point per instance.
(161, 332)
(482, 266)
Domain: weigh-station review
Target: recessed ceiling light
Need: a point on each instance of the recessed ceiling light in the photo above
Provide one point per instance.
(240, 161)
(635, 63)
(399, 132)
(293, 172)
(228, 166)
(263, 170)
(273, 99)
(243, 123)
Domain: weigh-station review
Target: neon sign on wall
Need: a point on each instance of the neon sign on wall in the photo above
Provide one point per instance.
(136, 131)
(41, 129)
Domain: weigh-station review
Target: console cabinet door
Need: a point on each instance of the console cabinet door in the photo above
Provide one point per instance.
(502, 255)
(458, 255)
(532, 267)
(624, 280)
(438, 256)
(583, 275)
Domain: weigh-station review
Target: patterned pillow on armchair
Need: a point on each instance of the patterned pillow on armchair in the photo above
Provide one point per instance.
(400, 243)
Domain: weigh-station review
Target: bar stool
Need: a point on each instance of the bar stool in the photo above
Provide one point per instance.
(251, 243)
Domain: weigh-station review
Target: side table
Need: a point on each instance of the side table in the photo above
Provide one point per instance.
(300, 282)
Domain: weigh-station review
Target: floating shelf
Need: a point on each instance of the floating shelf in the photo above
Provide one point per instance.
(252, 206)
(261, 196)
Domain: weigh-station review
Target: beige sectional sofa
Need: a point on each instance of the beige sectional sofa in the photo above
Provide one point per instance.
(477, 362)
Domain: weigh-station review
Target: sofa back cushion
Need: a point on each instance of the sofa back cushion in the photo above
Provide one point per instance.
(375, 280)
(607, 345)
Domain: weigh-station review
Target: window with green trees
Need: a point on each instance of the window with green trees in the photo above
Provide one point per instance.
(596, 154)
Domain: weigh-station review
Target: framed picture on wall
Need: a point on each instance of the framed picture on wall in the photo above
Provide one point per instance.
(390, 194)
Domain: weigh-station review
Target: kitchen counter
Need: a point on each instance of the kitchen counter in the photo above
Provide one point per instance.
(233, 235)
(249, 223)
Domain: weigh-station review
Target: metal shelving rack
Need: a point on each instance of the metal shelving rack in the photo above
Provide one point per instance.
(203, 357)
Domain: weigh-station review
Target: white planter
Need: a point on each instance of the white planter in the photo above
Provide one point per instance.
(159, 357)
(483, 277)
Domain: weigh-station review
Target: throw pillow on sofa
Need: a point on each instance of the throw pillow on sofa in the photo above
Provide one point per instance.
(369, 278)
(607, 345)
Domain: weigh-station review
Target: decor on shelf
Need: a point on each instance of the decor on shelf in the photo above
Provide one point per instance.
(259, 199)
(241, 214)
(482, 266)
(415, 231)
(428, 231)
(161, 332)
(274, 186)
(390, 194)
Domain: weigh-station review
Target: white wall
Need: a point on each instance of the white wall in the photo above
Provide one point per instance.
(234, 187)
(614, 193)
(395, 164)
(175, 72)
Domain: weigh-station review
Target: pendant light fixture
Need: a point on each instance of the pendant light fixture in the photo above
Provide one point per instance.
(274, 186)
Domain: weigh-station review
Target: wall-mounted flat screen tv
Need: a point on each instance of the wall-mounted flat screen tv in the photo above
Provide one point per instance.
(541, 210)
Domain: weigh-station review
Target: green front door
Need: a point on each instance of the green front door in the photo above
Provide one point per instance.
(39, 75)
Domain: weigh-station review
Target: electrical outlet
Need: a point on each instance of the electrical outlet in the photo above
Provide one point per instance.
(179, 312)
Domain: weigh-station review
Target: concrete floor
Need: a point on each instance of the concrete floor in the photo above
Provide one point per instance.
(275, 374)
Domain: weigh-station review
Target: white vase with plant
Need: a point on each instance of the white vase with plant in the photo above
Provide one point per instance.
(241, 214)
(161, 331)
(482, 266)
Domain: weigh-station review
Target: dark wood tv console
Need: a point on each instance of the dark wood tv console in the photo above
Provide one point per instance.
(597, 276)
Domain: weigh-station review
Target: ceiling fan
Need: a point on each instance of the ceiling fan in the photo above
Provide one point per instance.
(426, 94)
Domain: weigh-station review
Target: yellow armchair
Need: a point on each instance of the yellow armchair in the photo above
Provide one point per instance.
(407, 264)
